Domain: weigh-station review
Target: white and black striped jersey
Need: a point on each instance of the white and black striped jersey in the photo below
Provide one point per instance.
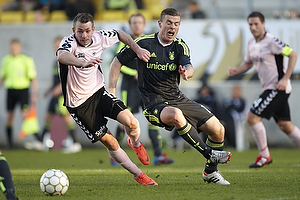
(79, 84)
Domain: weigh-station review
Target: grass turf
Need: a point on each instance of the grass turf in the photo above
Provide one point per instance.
(92, 177)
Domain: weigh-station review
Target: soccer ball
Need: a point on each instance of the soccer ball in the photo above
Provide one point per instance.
(54, 182)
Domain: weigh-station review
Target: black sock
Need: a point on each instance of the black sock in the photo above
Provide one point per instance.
(209, 166)
(155, 139)
(6, 179)
(190, 135)
(9, 136)
(120, 134)
(37, 136)
(72, 133)
(45, 130)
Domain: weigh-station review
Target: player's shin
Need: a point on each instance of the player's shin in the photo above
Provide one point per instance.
(191, 136)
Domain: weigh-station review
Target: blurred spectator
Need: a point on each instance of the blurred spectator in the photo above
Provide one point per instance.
(51, 5)
(123, 4)
(24, 5)
(206, 97)
(294, 14)
(195, 10)
(291, 14)
(234, 115)
(73, 7)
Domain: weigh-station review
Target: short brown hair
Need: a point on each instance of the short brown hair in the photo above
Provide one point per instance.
(136, 15)
(257, 14)
(83, 18)
(169, 11)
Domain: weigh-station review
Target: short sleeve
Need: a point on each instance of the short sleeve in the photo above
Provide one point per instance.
(31, 68)
(278, 47)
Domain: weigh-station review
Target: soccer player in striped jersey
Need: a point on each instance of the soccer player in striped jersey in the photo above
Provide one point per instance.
(165, 105)
(88, 102)
(267, 52)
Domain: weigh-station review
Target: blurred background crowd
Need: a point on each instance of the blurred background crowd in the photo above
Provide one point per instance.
(64, 10)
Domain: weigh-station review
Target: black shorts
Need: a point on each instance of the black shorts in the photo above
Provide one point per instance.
(272, 103)
(15, 97)
(195, 113)
(130, 95)
(52, 105)
(90, 116)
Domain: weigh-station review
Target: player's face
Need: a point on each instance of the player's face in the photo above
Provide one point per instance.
(15, 48)
(168, 28)
(257, 27)
(83, 32)
(137, 26)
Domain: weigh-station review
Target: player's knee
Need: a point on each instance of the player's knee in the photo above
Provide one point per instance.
(132, 123)
(110, 142)
(285, 126)
(174, 116)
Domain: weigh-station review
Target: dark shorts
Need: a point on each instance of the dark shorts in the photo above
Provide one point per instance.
(52, 104)
(130, 95)
(90, 116)
(272, 103)
(56, 106)
(15, 97)
(195, 113)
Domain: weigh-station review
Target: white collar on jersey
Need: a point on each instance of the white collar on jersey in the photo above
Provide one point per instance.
(161, 42)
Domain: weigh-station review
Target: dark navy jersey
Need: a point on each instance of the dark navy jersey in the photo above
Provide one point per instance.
(158, 79)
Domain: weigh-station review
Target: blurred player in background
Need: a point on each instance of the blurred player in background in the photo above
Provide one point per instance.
(19, 76)
(56, 107)
(130, 94)
(267, 53)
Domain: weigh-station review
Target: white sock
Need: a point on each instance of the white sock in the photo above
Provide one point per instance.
(260, 136)
(121, 157)
(134, 135)
(295, 136)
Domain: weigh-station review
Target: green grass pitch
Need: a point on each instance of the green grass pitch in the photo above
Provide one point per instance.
(92, 177)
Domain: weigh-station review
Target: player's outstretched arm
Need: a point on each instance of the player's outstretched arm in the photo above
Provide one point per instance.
(143, 54)
(68, 58)
(114, 72)
(240, 69)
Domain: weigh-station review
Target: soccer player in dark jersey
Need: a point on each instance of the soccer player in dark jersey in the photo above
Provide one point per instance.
(130, 94)
(267, 53)
(6, 182)
(165, 105)
(82, 80)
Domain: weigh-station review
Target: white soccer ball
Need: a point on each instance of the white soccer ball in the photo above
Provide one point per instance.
(54, 182)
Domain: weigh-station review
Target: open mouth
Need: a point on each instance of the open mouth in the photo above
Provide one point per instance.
(171, 33)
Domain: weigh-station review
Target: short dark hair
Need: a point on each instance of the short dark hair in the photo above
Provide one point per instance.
(257, 14)
(136, 15)
(169, 11)
(83, 18)
(15, 40)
